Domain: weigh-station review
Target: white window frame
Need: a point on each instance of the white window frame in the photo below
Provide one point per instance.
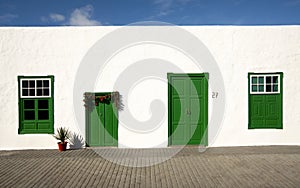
(35, 88)
(265, 84)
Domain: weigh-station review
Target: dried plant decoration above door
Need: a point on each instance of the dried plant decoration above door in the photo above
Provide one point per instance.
(91, 100)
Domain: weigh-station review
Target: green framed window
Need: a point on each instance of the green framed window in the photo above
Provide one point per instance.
(36, 104)
(265, 100)
(265, 84)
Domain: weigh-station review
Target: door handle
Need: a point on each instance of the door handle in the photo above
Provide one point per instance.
(188, 112)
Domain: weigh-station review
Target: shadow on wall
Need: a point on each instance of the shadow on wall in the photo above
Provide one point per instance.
(76, 141)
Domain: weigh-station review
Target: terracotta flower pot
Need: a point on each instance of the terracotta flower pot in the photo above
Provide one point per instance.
(62, 146)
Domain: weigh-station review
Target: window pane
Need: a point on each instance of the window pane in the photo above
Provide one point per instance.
(261, 79)
(261, 88)
(43, 104)
(46, 83)
(25, 84)
(46, 92)
(39, 83)
(29, 104)
(254, 80)
(268, 79)
(39, 92)
(275, 88)
(29, 115)
(275, 79)
(31, 83)
(268, 88)
(43, 115)
(31, 92)
(24, 92)
(254, 88)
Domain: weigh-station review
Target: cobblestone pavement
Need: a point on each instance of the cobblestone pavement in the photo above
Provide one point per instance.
(264, 166)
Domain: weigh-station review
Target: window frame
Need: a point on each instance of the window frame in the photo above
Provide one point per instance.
(35, 88)
(36, 125)
(265, 84)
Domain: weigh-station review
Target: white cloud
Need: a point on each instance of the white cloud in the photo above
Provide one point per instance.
(53, 17)
(57, 17)
(82, 17)
(184, 1)
(292, 3)
(44, 19)
(7, 18)
(163, 4)
(79, 17)
(166, 7)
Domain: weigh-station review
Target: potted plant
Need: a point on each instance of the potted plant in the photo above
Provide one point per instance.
(62, 135)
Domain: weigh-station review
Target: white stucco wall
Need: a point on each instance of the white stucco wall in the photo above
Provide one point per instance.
(237, 50)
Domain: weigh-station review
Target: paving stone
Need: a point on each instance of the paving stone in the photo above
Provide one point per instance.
(264, 166)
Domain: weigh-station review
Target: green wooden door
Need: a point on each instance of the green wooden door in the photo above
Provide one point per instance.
(188, 108)
(102, 124)
(265, 100)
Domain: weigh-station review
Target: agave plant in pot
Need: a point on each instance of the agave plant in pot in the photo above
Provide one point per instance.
(62, 134)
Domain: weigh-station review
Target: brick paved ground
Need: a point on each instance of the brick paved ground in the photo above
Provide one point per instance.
(273, 166)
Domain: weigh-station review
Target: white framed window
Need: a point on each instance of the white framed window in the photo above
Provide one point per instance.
(264, 84)
(35, 87)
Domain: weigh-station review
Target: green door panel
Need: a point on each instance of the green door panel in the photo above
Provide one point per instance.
(102, 124)
(36, 116)
(29, 125)
(44, 126)
(94, 128)
(188, 109)
(110, 126)
(265, 111)
(177, 111)
(257, 113)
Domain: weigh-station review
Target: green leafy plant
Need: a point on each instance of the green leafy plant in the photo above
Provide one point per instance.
(62, 134)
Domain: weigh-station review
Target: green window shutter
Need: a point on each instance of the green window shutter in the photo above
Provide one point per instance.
(265, 100)
(36, 104)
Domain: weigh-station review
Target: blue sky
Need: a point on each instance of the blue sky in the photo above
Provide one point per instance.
(123, 12)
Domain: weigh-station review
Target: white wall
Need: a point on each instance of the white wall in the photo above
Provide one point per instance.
(237, 50)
